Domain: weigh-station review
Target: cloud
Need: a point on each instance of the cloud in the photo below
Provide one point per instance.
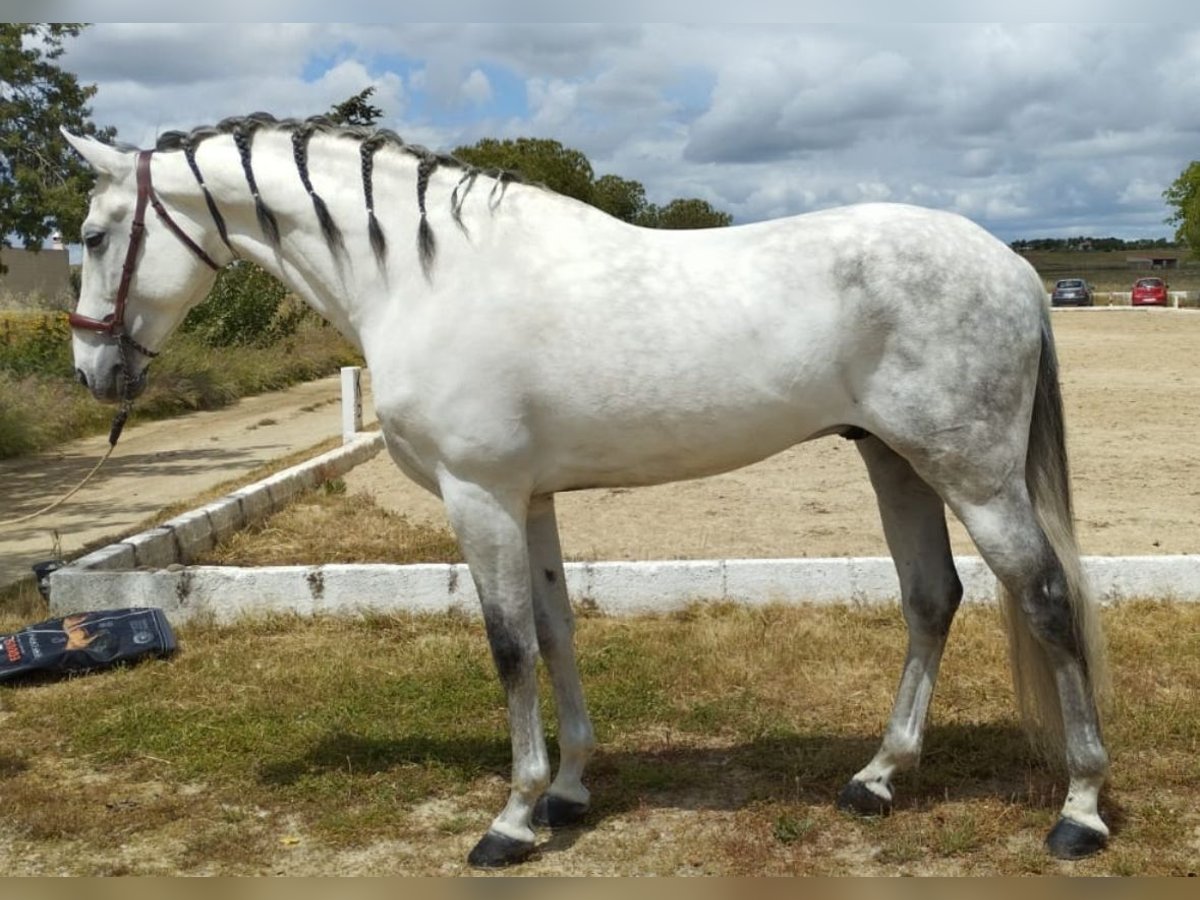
(1030, 128)
(476, 89)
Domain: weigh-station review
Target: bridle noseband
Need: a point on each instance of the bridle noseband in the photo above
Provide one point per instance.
(113, 325)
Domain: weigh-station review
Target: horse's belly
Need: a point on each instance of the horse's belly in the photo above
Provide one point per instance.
(658, 452)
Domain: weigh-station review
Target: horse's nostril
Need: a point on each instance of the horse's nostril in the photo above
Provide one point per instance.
(81, 377)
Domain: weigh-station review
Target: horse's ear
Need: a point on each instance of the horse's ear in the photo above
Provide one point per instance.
(103, 158)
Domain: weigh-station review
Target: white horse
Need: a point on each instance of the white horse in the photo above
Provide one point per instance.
(522, 343)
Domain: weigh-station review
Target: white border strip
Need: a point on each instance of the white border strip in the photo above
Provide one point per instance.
(183, 538)
(224, 594)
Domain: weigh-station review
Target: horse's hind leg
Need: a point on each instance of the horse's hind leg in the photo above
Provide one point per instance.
(914, 524)
(566, 800)
(1056, 650)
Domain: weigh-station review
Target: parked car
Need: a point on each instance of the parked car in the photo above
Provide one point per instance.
(1071, 292)
(1149, 292)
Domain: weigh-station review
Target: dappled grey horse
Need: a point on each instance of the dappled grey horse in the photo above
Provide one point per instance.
(522, 343)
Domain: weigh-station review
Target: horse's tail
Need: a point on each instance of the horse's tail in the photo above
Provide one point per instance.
(1048, 480)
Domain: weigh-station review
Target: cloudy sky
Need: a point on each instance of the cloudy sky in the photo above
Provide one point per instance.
(1031, 130)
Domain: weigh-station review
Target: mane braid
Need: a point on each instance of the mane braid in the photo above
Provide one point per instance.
(243, 135)
(333, 235)
(171, 141)
(426, 245)
(457, 201)
(189, 152)
(367, 151)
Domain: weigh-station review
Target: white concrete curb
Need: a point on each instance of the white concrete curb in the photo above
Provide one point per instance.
(182, 538)
(614, 588)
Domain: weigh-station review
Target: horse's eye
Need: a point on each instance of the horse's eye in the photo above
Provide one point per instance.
(94, 239)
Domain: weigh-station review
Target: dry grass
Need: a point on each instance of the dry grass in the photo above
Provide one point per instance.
(334, 527)
(41, 405)
(380, 746)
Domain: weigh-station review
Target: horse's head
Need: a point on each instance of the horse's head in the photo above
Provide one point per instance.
(139, 277)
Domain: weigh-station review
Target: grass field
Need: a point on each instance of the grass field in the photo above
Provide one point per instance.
(380, 746)
(1111, 270)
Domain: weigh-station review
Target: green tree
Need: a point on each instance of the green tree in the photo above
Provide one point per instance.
(540, 160)
(684, 213)
(620, 197)
(568, 172)
(43, 184)
(243, 308)
(1184, 196)
(356, 110)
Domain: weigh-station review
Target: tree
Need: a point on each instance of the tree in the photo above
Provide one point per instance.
(356, 110)
(1184, 195)
(684, 213)
(43, 184)
(568, 172)
(620, 197)
(540, 160)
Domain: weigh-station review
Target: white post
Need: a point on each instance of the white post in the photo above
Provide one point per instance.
(352, 419)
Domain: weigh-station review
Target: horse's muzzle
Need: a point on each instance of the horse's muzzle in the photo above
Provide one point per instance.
(117, 386)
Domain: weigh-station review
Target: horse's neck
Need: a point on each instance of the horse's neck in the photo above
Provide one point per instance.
(341, 286)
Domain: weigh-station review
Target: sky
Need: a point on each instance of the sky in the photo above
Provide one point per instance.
(1052, 130)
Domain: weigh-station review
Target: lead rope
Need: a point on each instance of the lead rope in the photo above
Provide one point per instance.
(114, 434)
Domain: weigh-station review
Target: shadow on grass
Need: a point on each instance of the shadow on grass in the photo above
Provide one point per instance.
(962, 762)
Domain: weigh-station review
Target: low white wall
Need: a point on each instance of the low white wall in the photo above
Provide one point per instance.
(223, 593)
(181, 539)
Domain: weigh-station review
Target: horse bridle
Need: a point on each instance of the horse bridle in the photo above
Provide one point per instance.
(113, 325)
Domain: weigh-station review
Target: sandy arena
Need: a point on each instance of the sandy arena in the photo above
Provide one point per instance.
(1131, 380)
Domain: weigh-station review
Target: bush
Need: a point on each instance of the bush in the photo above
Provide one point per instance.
(245, 308)
(32, 343)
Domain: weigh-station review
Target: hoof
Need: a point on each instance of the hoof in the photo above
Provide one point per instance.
(1070, 840)
(495, 851)
(859, 799)
(555, 812)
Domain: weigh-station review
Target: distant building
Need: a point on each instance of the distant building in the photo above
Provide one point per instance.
(1152, 262)
(44, 274)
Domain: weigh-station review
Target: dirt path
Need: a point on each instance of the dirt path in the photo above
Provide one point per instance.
(155, 465)
(1131, 382)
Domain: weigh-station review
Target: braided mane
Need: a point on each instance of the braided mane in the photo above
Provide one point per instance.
(370, 142)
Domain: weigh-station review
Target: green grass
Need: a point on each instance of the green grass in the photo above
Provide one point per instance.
(724, 734)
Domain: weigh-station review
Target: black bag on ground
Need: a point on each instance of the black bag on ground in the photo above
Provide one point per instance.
(84, 641)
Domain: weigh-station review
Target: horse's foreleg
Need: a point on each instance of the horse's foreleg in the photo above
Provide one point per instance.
(914, 523)
(567, 799)
(491, 533)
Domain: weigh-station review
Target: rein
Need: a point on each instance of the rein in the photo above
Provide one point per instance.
(113, 325)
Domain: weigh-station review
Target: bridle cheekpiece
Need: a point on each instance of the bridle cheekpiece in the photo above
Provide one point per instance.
(113, 325)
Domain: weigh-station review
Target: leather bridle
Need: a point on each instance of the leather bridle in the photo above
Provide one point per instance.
(113, 325)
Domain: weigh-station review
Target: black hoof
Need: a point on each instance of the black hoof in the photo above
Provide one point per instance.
(859, 799)
(555, 812)
(495, 851)
(1070, 840)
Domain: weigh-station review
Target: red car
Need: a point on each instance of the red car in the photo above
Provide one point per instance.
(1149, 292)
